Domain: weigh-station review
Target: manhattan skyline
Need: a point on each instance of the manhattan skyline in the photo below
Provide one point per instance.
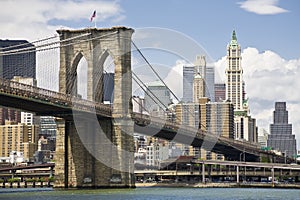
(267, 31)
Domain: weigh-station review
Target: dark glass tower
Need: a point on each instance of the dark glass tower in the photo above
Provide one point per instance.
(14, 62)
(281, 137)
(108, 87)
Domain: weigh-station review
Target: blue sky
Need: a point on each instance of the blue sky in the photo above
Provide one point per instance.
(267, 30)
(210, 23)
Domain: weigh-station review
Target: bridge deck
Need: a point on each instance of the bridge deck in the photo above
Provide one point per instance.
(46, 102)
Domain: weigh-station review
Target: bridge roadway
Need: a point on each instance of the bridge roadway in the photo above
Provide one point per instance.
(21, 167)
(30, 170)
(276, 166)
(46, 102)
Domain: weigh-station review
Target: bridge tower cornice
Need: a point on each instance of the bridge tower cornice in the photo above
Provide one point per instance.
(95, 45)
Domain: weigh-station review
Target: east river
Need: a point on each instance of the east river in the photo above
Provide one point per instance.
(160, 193)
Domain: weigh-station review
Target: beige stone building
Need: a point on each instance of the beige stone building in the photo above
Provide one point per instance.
(212, 117)
(199, 88)
(18, 137)
(220, 119)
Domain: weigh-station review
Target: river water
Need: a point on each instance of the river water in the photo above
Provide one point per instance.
(148, 193)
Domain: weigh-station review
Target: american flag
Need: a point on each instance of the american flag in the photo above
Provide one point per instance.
(93, 15)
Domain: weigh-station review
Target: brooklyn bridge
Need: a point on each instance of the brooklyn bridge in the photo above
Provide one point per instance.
(95, 140)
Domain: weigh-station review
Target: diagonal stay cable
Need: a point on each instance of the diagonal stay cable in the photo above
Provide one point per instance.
(143, 88)
(149, 64)
(154, 70)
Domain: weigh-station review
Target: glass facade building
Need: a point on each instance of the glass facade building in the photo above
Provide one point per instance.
(17, 64)
(188, 78)
(210, 83)
(206, 72)
(157, 97)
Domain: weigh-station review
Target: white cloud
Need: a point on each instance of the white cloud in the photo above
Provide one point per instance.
(262, 7)
(32, 19)
(220, 70)
(269, 78)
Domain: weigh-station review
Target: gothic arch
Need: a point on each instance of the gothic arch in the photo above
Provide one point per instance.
(99, 75)
(72, 87)
(95, 45)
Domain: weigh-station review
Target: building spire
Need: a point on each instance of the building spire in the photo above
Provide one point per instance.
(233, 35)
(233, 41)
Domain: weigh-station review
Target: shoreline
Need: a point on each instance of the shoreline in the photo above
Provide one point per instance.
(220, 185)
(176, 185)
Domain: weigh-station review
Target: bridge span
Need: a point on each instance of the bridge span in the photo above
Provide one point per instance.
(47, 102)
(85, 156)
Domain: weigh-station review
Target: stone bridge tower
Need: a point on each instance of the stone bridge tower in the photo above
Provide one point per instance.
(92, 150)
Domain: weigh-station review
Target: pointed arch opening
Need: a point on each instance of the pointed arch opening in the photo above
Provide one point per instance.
(82, 76)
(77, 84)
(104, 81)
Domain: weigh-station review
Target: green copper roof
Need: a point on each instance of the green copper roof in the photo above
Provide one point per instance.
(240, 113)
(233, 39)
(233, 35)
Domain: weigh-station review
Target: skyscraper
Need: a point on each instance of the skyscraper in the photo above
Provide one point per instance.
(200, 65)
(18, 137)
(234, 74)
(188, 114)
(244, 124)
(281, 137)
(188, 77)
(210, 83)
(15, 64)
(199, 88)
(157, 96)
(108, 87)
(220, 92)
(220, 119)
(206, 72)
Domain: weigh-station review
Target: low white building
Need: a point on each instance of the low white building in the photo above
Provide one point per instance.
(16, 157)
(155, 153)
(262, 137)
(140, 156)
(4, 159)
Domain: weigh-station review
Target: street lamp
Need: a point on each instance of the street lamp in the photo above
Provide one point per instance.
(244, 158)
(285, 157)
(241, 156)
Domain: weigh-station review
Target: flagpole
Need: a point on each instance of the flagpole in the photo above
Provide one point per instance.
(93, 17)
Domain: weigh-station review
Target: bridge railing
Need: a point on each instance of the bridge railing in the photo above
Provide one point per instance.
(53, 97)
(86, 105)
(14, 87)
(147, 119)
(77, 103)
